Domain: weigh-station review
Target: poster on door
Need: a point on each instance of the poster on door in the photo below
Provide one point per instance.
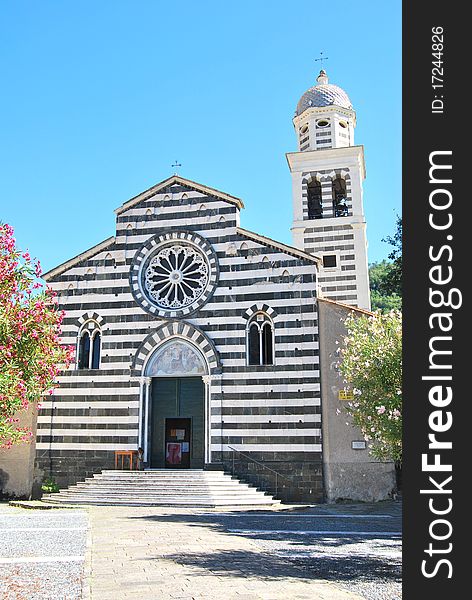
(173, 453)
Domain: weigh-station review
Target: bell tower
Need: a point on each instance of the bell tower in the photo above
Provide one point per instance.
(327, 175)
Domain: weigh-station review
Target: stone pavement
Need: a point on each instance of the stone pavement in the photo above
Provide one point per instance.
(42, 553)
(161, 554)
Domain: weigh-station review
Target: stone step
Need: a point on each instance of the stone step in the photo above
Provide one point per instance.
(213, 476)
(138, 489)
(166, 487)
(162, 481)
(170, 498)
(179, 472)
(164, 491)
(188, 502)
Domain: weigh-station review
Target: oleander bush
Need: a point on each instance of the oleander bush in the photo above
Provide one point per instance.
(31, 354)
(370, 360)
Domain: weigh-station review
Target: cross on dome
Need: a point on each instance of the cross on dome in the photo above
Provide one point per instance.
(321, 59)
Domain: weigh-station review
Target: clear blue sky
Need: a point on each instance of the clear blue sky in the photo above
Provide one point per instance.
(101, 96)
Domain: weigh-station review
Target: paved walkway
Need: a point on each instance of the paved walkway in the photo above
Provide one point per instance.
(341, 552)
(42, 553)
(162, 554)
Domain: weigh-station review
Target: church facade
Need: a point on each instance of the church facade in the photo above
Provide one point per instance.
(196, 339)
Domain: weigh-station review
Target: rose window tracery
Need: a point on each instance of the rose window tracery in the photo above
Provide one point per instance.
(174, 273)
(176, 276)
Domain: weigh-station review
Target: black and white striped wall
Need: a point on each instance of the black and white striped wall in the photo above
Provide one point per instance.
(270, 412)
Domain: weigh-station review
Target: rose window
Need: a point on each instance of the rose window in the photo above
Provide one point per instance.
(176, 276)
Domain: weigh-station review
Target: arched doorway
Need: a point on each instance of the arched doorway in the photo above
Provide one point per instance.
(176, 415)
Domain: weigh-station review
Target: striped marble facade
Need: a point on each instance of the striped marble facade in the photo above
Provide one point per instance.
(272, 413)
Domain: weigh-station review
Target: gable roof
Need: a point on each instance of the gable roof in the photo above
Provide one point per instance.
(262, 239)
(177, 180)
(77, 259)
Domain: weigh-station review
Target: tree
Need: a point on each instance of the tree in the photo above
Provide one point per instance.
(381, 296)
(393, 282)
(386, 277)
(31, 355)
(371, 364)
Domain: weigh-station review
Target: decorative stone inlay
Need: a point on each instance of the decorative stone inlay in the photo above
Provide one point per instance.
(173, 274)
(176, 358)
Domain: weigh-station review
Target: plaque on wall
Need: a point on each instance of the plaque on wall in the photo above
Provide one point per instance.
(345, 395)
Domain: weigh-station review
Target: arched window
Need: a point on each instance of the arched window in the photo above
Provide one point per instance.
(84, 350)
(340, 208)
(254, 343)
(260, 340)
(96, 346)
(267, 344)
(315, 202)
(90, 341)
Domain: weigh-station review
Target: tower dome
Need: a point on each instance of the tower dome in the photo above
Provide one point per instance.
(323, 94)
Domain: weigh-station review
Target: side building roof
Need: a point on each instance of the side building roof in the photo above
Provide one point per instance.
(348, 307)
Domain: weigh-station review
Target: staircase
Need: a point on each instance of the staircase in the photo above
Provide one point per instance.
(163, 487)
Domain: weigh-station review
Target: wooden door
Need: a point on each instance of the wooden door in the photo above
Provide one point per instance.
(177, 404)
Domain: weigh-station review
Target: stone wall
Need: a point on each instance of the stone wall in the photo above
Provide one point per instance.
(290, 477)
(16, 463)
(67, 467)
(349, 474)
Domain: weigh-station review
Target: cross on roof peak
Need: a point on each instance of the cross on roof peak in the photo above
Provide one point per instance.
(175, 166)
(321, 59)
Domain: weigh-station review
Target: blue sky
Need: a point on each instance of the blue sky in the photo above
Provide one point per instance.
(100, 97)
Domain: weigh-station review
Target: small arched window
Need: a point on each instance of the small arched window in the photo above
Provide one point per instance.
(96, 347)
(315, 202)
(260, 340)
(84, 350)
(340, 208)
(90, 343)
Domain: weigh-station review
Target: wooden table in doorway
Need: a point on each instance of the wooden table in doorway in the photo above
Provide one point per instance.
(122, 454)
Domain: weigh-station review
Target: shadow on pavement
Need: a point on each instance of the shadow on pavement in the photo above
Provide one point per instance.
(233, 563)
(341, 557)
(254, 525)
